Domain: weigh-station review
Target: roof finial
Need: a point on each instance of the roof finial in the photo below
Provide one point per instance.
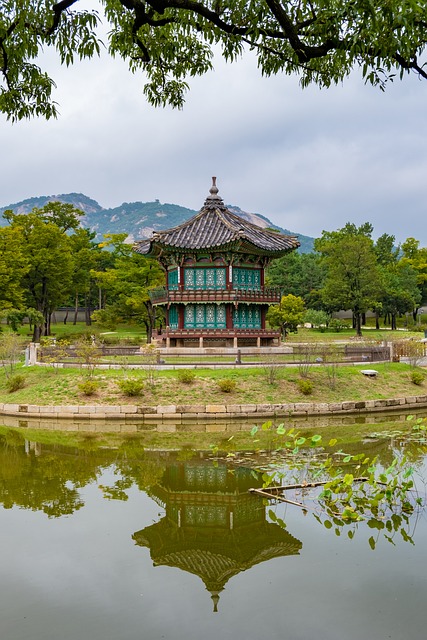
(213, 190)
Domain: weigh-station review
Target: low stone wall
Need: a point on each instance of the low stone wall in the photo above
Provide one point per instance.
(179, 414)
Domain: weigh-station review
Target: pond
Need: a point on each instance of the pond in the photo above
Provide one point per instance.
(129, 544)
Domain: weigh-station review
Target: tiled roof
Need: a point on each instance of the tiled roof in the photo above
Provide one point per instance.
(215, 227)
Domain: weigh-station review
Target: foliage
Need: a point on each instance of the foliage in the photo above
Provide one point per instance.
(88, 387)
(151, 356)
(89, 352)
(338, 325)
(287, 315)
(15, 382)
(44, 237)
(416, 257)
(16, 317)
(10, 351)
(226, 385)
(305, 386)
(352, 280)
(299, 274)
(345, 488)
(171, 41)
(417, 377)
(186, 376)
(127, 283)
(317, 319)
(131, 386)
(13, 266)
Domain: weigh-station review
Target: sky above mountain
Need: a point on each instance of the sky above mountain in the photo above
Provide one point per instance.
(307, 159)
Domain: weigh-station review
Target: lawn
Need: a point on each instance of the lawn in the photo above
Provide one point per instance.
(49, 386)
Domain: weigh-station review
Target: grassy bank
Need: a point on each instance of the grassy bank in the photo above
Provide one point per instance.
(47, 386)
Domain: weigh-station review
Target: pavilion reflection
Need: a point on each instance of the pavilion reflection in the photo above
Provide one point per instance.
(213, 527)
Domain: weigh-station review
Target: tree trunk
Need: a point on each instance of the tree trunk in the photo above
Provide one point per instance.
(37, 333)
(87, 310)
(65, 317)
(76, 308)
(377, 320)
(358, 327)
(393, 322)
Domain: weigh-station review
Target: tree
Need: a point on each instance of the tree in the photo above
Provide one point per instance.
(416, 257)
(47, 279)
(128, 284)
(300, 274)
(352, 280)
(400, 293)
(287, 315)
(13, 265)
(171, 40)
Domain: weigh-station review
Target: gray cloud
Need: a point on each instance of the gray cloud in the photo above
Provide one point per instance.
(308, 159)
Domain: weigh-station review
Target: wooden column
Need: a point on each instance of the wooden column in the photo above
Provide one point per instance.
(229, 316)
(181, 316)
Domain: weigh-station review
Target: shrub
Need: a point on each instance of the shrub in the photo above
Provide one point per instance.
(16, 382)
(226, 385)
(305, 386)
(186, 376)
(337, 325)
(417, 377)
(131, 386)
(88, 387)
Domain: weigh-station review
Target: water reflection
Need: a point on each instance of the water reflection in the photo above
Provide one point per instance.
(213, 527)
(79, 525)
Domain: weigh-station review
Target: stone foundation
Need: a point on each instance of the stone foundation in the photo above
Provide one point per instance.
(182, 414)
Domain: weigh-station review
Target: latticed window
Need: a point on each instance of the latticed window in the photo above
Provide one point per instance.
(247, 317)
(205, 278)
(246, 279)
(173, 317)
(204, 316)
(173, 280)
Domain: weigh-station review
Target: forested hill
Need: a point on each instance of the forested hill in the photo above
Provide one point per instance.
(138, 219)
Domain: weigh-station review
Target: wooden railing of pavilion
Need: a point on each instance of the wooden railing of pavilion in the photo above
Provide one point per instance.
(264, 295)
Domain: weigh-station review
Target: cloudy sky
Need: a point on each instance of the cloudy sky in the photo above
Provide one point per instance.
(307, 159)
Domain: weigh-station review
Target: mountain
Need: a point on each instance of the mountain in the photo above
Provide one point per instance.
(138, 219)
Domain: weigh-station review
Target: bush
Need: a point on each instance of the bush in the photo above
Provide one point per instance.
(131, 386)
(186, 376)
(305, 386)
(417, 377)
(88, 387)
(16, 382)
(226, 385)
(337, 325)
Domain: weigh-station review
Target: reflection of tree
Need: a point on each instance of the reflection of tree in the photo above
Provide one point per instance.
(213, 527)
(38, 478)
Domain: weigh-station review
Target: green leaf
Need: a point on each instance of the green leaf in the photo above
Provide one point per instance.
(281, 430)
(254, 430)
(372, 543)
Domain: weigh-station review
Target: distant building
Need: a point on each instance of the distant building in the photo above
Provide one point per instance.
(215, 264)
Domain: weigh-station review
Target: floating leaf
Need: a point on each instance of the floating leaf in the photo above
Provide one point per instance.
(332, 442)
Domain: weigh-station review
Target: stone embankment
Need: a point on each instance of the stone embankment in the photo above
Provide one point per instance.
(177, 414)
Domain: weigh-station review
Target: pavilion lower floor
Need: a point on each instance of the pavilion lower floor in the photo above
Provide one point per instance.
(210, 337)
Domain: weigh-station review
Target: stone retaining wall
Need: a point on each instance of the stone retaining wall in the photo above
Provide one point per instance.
(205, 413)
